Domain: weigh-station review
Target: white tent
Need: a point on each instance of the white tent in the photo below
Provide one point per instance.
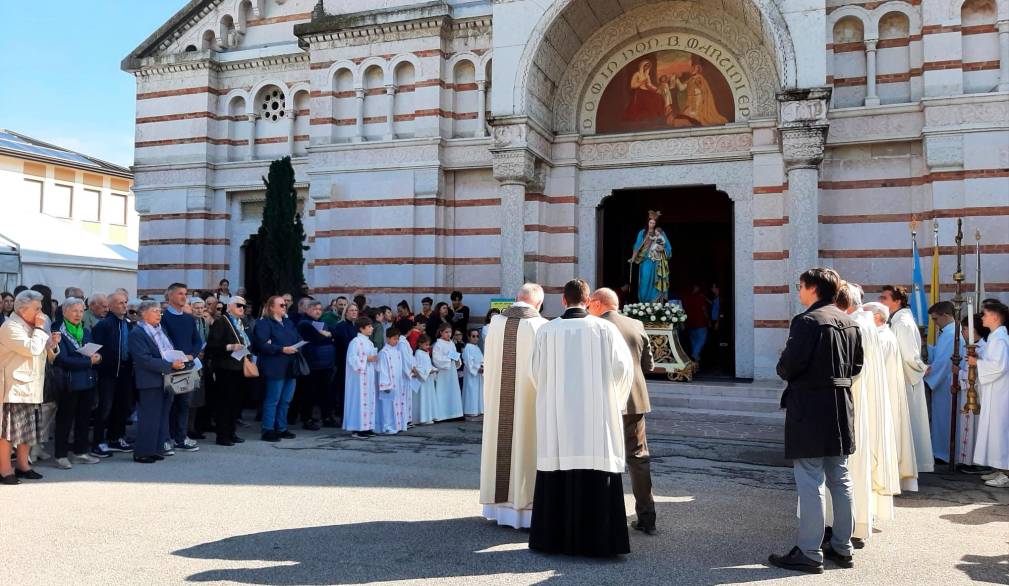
(59, 254)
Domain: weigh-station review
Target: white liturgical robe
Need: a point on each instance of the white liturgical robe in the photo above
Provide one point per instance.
(508, 453)
(909, 341)
(582, 382)
(897, 390)
(992, 446)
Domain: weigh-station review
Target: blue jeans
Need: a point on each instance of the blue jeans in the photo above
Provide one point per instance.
(279, 392)
(810, 476)
(178, 423)
(152, 420)
(698, 336)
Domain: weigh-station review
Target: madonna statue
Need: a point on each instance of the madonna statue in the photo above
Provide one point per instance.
(652, 251)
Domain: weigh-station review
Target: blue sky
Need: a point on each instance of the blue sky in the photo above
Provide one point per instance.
(60, 70)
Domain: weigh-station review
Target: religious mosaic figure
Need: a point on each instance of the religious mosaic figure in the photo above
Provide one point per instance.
(646, 104)
(651, 253)
(700, 108)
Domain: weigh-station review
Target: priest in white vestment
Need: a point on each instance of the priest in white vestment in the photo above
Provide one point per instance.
(896, 388)
(992, 447)
(939, 377)
(909, 341)
(873, 467)
(508, 453)
(582, 372)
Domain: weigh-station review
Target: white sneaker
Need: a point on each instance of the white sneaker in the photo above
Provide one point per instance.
(39, 455)
(63, 464)
(84, 459)
(991, 475)
(189, 443)
(1001, 482)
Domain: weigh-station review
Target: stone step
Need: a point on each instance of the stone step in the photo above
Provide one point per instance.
(724, 403)
(717, 416)
(757, 389)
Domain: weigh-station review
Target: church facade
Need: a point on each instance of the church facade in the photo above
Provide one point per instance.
(474, 144)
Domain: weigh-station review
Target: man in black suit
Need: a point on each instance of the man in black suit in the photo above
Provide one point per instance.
(604, 304)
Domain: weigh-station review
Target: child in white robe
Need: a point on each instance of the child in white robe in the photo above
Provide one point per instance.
(448, 395)
(992, 446)
(472, 377)
(390, 385)
(423, 383)
(359, 399)
(406, 388)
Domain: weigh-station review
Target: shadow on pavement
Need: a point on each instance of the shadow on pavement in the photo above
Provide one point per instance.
(981, 568)
(980, 516)
(472, 547)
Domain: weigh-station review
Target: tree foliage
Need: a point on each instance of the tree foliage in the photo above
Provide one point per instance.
(281, 236)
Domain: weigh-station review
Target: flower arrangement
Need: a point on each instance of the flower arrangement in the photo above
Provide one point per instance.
(661, 314)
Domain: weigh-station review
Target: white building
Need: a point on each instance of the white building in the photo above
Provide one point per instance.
(68, 219)
(473, 144)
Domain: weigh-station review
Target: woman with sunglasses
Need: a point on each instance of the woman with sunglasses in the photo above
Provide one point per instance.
(228, 339)
(274, 339)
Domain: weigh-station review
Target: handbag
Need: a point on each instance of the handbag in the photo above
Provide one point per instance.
(56, 383)
(249, 368)
(298, 367)
(182, 381)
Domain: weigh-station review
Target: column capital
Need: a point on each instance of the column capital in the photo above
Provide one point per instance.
(1002, 25)
(359, 93)
(252, 117)
(390, 89)
(290, 113)
(514, 167)
(870, 44)
(802, 124)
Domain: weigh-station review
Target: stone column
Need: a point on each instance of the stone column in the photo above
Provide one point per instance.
(513, 169)
(802, 123)
(871, 99)
(481, 114)
(1003, 44)
(390, 96)
(290, 114)
(359, 122)
(251, 153)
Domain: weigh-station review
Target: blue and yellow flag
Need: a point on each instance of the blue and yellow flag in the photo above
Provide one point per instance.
(933, 293)
(917, 302)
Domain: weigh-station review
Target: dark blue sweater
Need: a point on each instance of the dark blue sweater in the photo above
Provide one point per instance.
(269, 337)
(320, 351)
(78, 366)
(181, 330)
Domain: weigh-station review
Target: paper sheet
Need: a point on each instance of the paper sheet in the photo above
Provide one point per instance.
(240, 354)
(454, 356)
(173, 355)
(298, 345)
(319, 326)
(89, 349)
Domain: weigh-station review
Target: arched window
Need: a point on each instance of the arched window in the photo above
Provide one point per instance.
(227, 34)
(209, 41)
(344, 106)
(893, 59)
(849, 63)
(980, 46)
(465, 102)
(191, 48)
(238, 134)
(403, 108)
(374, 103)
(302, 110)
(271, 129)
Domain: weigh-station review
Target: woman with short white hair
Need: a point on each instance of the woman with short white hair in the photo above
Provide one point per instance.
(77, 397)
(23, 344)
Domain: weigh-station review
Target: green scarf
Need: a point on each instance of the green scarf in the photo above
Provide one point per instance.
(77, 331)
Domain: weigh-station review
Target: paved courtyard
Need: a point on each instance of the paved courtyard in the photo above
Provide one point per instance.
(325, 509)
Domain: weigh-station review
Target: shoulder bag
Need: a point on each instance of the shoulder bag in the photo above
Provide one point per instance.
(249, 368)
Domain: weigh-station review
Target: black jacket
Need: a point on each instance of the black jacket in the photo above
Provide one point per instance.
(823, 353)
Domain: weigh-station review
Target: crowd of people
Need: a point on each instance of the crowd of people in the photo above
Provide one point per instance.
(78, 374)
(857, 413)
(565, 399)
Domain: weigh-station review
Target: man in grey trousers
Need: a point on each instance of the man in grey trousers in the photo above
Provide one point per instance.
(822, 355)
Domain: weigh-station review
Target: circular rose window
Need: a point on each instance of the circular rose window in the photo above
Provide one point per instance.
(272, 105)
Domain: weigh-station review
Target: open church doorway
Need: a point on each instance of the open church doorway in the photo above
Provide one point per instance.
(698, 222)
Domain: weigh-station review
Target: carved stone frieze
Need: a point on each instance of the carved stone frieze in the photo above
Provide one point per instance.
(803, 146)
(514, 166)
(974, 113)
(666, 149)
(802, 124)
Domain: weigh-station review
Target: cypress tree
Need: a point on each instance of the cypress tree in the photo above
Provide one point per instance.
(281, 236)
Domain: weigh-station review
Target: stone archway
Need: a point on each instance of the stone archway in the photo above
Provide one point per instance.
(574, 36)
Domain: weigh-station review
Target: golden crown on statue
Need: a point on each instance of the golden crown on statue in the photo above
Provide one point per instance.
(654, 214)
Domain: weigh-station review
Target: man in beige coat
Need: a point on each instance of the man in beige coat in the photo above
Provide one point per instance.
(604, 304)
(508, 458)
(24, 340)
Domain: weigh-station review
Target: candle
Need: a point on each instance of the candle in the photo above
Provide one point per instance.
(970, 321)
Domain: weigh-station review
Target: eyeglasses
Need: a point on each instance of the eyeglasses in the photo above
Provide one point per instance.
(798, 286)
(241, 305)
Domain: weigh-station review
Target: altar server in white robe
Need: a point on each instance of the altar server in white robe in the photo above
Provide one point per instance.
(939, 377)
(423, 384)
(992, 447)
(409, 375)
(360, 395)
(391, 417)
(909, 341)
(896, 388)
(873, 467)
(582, 372)
(967, 431)
(447, 394)
(508, 453)
(472, 376)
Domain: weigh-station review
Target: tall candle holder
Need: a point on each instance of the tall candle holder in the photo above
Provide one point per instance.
(958, 300)
(972, 405)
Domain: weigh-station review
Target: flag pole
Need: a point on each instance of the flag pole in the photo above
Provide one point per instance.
(958, 277)
(917, 293)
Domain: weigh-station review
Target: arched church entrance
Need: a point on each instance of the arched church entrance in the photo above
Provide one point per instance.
(698, 220)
